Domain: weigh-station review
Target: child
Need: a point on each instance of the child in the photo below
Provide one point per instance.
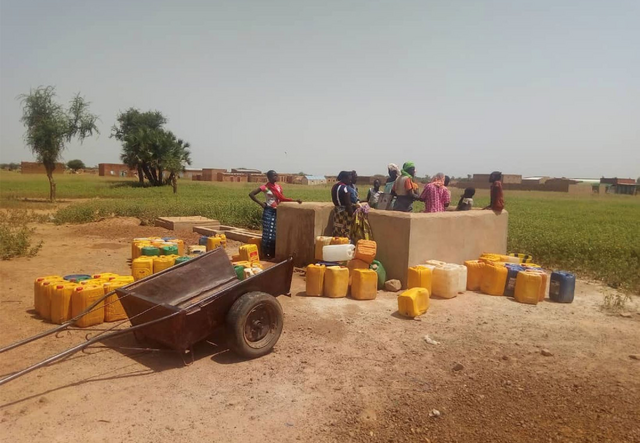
(497, 198)
(374, 194)
(466, 201)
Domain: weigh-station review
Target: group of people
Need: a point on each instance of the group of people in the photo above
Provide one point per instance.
(350, 219)
(401, 190)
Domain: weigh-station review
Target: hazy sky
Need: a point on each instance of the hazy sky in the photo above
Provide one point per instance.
(546, 87)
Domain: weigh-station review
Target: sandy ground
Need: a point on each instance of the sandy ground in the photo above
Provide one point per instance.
(343, 370)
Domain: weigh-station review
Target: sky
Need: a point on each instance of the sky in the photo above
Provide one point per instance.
(545, 87)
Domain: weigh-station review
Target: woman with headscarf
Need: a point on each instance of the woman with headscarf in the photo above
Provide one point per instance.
(343, 206)
(435, 195)
(497, 198)
(466, 201)
(273, 196)
(405, 189)
(387, 199)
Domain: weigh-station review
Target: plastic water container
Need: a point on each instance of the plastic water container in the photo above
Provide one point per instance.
(366, 250)
(197, 249)
(150, 251)
(202, 241)
(509, 259)
(489, 257)
(542, 293)
(494, 278)
(474, 274)
(163, 262)
(84, 296)
(251, 271)
(340, 241)
(182, 260)
(420, 277)
(249, 253)
(562, 287)
(524, 258)
(462, 277)
(44, 300)
(61, 302)
(354, 264)
(365, 284)
(179, 243)
(37, 290)
(436, 263)
(512, 275)
(315, 280)
(382, 273)
(413, 302)
(336, 281)
(105, 276)
(446, 281)
(339, 253)
(223, 239)
(214, 243)
(239, 272)
(74, 278)
(528, 287)
(142, 267)
(136, 246)
(113, 310)
(169, 249)
(321, 242)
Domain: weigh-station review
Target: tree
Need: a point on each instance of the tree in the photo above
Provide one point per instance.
(133, 129)
(151, 149)
(76, 164)
(50, 127)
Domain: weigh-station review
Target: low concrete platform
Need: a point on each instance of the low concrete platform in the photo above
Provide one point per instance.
(232, 233)
(403, 239)
(179, 223)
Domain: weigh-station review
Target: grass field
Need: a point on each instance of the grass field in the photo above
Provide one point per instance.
(595, 236)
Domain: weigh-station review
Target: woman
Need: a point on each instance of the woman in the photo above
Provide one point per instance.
(341, 195)
(374, 194)
(497, 198)
(435, 195)
(394, 172)
(405, 189)
(466, 201)
(273, 197)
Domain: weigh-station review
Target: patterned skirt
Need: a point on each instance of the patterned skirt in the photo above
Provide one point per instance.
(269, 232)
(342, 222)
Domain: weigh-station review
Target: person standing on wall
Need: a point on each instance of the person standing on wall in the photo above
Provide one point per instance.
(497, 197)
(387, 199)
(405, 189)
(273, 196)
(374, 194)
(435, 195)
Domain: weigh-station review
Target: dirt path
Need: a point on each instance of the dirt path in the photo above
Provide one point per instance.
(343, 370)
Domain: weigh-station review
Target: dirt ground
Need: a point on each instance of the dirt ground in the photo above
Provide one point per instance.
(343, 370)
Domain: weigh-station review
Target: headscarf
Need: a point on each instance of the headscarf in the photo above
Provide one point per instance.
(394, 167)
(405, 167)
(438, 179)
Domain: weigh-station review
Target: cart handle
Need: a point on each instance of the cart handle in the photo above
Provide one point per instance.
(64, 354)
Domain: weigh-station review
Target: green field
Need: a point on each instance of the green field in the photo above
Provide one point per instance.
(595, 236)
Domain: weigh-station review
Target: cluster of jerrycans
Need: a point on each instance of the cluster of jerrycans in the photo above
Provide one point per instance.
(515, 276)
(361, 276)
(59, 299)
(434, 277)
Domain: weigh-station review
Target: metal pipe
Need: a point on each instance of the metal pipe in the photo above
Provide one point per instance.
(81, 346)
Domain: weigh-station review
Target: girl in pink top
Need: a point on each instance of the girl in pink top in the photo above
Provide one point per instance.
(273, 196)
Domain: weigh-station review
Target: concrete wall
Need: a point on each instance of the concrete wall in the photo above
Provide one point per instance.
(403, 239)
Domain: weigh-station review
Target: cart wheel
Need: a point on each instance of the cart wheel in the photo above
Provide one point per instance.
(255, 324)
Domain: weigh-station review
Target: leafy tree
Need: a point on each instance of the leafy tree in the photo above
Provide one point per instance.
(50, 127)
(157, 153)
(76, 164)
(132, 130)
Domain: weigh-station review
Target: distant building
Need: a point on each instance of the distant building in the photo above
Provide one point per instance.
(232, 177)
(211, 174)
(331, 179)
(506, 178)
(115, 170)
(189, 174)
(535, 180)
(38, 168)
(620, 185)
(314, 180)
